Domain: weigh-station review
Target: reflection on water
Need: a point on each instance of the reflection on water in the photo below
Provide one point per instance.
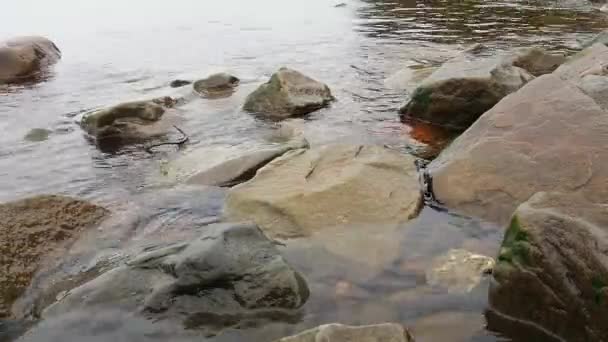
(115, 51)
(500, 23)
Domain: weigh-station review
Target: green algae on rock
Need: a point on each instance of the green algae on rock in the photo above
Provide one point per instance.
(551, 270)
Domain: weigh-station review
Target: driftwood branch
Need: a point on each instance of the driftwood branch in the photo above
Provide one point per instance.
(178, 143)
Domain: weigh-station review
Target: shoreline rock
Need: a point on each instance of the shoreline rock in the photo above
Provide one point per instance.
(128, 122)
(243, 168)
(231, 271)
(548, 136)
(305, 191)
(25, 58)
(216, 85)
(288, 93)
(463, 88)
(551, 269)
(34, 229)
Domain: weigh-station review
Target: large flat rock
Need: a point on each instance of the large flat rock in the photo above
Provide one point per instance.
(305, 191)
(548, 136)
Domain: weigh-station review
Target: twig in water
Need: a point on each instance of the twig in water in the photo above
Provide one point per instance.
(179, 143)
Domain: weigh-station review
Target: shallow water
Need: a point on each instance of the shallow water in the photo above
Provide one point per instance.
(115, 51)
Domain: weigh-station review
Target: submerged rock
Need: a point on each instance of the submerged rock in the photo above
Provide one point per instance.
(23, 58)
(387, 332)
(131, 121)
(552, 270)
(105, 325)
(219, 84)
(466, 86)
(231, 274)
(289, 93)
(548, 136)
(243, 168)
(32, 230)
(458, 270)
(334, 185)
(452, 326)
(37, 135)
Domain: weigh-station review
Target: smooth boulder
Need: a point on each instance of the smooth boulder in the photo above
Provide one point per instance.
(386, 332)
(24, 58)
(231, 273)
(34, 229)
(551, 270)
(305, 191)
(219, 85)
(463, 88)
(241, 169)
(288, 93)
(548, 136)
(131, 121)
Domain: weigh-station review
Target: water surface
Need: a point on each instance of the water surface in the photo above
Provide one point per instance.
(116, 50)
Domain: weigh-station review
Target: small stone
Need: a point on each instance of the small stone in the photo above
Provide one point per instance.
(459, 271)
(179, 83)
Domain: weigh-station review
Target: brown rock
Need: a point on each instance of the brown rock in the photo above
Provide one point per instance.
(32, 229)
(548, 136)
(25, 57)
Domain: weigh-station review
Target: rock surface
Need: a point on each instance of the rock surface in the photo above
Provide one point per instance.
(243, 168)
(466, 86)
(131, 121)
(288, 93)
(548, 136)
(219, 84)
(305, 191)
(232, 274)
(387, 332)
(552, 268)
(32, 229)
(458, 270)
(23, 58)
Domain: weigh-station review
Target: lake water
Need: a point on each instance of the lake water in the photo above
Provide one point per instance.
(116, 51)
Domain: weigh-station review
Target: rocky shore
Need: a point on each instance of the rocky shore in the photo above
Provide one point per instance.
(531, 157)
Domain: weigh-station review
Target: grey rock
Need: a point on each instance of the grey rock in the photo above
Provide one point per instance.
(232, 271)
(243, 168)
(289, 93)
